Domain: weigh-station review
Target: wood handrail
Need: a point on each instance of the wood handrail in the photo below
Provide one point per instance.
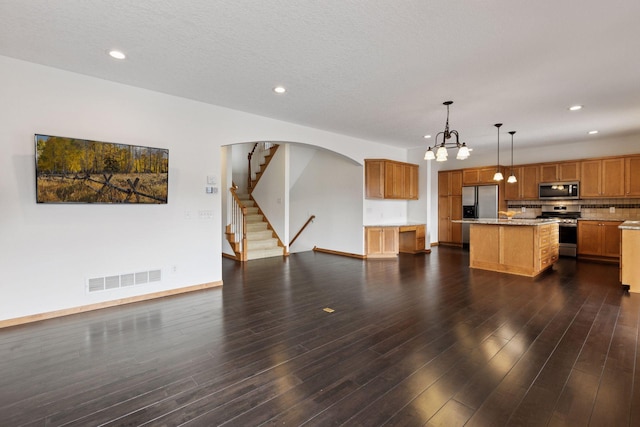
(249, 156)
(311, 218)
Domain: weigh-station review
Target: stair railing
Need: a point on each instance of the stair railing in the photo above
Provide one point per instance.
(238, 224)
(310, 220)
(256, 157)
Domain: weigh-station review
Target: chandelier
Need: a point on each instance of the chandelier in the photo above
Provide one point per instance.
(439, 150)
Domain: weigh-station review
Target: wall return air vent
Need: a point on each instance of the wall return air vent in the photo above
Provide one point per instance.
(106, 283)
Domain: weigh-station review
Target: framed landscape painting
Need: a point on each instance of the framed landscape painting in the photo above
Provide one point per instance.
(70, 170)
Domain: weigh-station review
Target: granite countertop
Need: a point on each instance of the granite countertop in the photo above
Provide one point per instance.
(400, 224)
(601, 219)
(514, 221)
(630, 225)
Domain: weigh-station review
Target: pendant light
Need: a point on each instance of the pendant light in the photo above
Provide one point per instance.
(512, 178)
(498, 175)
(439, 150)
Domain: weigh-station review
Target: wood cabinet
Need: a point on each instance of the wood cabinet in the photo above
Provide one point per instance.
(527, 186)
(449, 209)
(563, 171)
(449, 206)
(388, 179)
(381, 242)
(632, 176)
(476, 176)
(602, 178)
(599, 239)
(629, 265)
(517, 249)
(412, 238)
(450, 183)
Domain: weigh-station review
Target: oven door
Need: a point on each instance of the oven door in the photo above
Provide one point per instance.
(568, 240)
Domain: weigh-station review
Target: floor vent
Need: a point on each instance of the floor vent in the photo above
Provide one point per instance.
(97, 284)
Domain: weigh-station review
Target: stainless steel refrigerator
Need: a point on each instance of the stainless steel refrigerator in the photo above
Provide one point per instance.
(478, 202)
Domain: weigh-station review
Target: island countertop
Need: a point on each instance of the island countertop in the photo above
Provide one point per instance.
(514, 221)
(630, 225)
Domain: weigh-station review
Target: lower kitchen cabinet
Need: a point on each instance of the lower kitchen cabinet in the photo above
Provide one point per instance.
(525, 250)
(629, 265)
(449, 209)
(381, 242)
(599, 240)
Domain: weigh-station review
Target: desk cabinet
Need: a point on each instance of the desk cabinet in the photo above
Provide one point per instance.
(412, 238)
(381, 242)
(388, 179)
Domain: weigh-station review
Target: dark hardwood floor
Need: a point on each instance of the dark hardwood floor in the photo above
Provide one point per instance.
(422, 340)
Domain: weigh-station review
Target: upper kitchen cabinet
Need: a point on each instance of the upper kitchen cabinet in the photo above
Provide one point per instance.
(527, 186)
(563, 171)
(602, 178)
(476, 176)
(632, 176)
(450, 183)
(388, 179)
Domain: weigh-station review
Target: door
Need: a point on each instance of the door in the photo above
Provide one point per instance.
(469, 196)
(488, 201)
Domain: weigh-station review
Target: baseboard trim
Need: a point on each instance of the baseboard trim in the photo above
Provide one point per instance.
(106, 304)
(347, 254)
(229, 256)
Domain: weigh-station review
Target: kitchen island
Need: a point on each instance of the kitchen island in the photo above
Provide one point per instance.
(629, 266)
(525, 247)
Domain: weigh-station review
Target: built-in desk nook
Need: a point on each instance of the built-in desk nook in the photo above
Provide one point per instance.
(386, 241)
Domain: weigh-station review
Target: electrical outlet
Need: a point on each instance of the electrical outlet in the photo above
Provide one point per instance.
(523, 209)
(612, 209)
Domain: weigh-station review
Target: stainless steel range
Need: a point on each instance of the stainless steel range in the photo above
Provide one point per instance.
(567, 228)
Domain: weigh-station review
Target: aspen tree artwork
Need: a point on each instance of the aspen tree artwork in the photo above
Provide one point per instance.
(70, 170)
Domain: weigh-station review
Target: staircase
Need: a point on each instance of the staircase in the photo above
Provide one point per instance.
(261, 242)
(249, 232)
(259, 159)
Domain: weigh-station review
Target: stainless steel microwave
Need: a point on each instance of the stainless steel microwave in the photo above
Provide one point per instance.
(559, 190)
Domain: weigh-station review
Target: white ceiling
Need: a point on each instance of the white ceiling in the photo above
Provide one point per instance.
(374, 69)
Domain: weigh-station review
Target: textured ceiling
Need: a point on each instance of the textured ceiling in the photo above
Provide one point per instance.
(374, 69)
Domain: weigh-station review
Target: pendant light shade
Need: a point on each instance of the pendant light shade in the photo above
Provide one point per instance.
(498, 175)
(512, 178)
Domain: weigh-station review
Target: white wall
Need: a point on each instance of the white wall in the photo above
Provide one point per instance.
(48, 251)
(240, 165)
(423, 210)
(329, 187)
(271, 193)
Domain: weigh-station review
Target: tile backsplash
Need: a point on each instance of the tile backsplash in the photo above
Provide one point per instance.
(623, 209)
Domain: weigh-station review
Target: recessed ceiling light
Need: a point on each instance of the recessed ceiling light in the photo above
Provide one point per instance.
(116, 54)
(593, 132)
(575, 108)
(279, 89)
(427, 136)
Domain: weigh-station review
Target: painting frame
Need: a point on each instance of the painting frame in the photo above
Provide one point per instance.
(79, 171)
